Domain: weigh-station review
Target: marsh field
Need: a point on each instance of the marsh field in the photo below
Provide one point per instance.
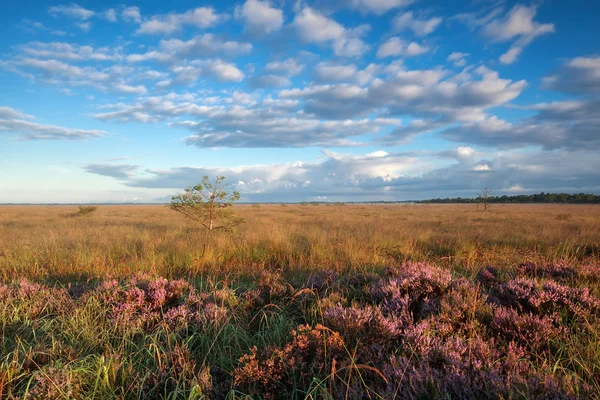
(352, 301)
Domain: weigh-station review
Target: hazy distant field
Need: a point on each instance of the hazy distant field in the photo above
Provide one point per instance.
(302, 301)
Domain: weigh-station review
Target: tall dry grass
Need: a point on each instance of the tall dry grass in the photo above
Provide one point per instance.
(42, 242)
(302, 302)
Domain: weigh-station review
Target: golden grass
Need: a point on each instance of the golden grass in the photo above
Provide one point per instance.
(43, 242)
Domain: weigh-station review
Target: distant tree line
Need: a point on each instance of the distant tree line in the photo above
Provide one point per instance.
(555, 198)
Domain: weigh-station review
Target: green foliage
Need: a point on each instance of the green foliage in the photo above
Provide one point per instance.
(560, 198)
(208, 203)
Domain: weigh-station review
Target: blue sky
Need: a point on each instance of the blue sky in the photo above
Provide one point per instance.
(298, 100)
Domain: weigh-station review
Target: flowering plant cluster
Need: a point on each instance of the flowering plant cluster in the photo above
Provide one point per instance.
(412, 331)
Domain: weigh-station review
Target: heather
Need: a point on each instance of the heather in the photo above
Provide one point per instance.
(413, 330)
(328, 308)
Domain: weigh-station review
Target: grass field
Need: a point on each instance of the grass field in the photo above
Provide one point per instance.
(302, 301)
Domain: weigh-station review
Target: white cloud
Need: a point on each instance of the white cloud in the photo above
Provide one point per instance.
(580, 75)
(420, 27)
(287, 67)
(201, 17)
(382, 175)
(224, 71)
(174, 50)
(11, 113)
(332, 72)
(260, 16)
(71, 10)
(377, 6)
(396, 47)
(35, 26)
(111, 15)
(11, 121)
(458, 59)
(124, 88)
(517, 24)
(85, 26)
(314, 27)
(131, 14)
(115, 78)
(69, 52)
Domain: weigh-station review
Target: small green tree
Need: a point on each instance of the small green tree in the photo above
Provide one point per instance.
(208, 203)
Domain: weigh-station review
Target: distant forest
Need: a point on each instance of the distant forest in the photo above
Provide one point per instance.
(556, 198)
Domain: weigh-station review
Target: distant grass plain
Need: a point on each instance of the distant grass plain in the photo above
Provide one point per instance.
(370, 301)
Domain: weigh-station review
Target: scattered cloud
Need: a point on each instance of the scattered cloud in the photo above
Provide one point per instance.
(201, 17)
(14, 122)
(420, 27)
(458, 59)
(72, 11)
(313, 27)
(131, 14)
(518, 25)
(260, 16)
(117, 171)
(175, 50)
(580, 75)
(396, 47)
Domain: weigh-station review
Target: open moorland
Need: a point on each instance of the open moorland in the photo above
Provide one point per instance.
(301, 301)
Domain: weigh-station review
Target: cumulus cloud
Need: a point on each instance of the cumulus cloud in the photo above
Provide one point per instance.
(396, 47)
(13, 121)
(430, 93)
(174, 50)
(420, 27)
(377, 7)
(517, 24)
(313, 27)
(392, 176)
(333, 72)
(11, 113)
(276, 74)
(69, 52)
(201, 17)
(242, 123)
(111, 15)
(131, 14)
(562, 124)
(260, 16)
(458, 59)
(580, 75)
(117, 171)
(114, 78)
(71, 10)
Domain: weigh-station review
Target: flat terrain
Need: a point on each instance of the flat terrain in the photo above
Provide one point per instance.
(301, 302)
(41, 242)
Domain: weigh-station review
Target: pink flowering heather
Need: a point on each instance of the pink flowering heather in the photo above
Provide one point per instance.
(555, 270)
(32, 300)
(532, 331)
(464, 307)
(364, 324)
(488, 276)
(528, 295)
(422, 283)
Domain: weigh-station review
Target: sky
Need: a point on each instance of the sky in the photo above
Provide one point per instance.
(323, 100)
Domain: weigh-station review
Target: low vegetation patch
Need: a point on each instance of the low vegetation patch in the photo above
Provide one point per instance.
(414, 330)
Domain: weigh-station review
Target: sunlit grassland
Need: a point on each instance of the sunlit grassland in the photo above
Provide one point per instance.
(41, 242)
(301, 302)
